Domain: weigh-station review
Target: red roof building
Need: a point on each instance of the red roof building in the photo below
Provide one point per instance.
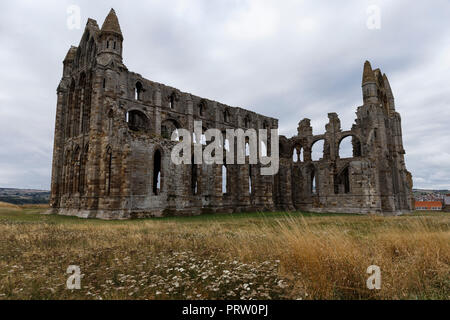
(429, 205)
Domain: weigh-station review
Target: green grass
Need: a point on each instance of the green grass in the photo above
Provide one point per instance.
(36, 215)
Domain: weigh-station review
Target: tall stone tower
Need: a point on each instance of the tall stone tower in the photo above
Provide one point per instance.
(381, 127)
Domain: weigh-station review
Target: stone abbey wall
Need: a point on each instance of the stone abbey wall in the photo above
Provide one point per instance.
(112, 150)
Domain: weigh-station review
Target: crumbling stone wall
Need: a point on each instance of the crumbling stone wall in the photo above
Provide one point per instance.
(112, 150)
(375, 179)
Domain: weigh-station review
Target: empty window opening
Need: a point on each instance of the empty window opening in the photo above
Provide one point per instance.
(168, 127)
(226, 116)
(194, 177)
(172, 101)
(104, 83)
(226, 145)
(346, 148)
(224, 180)
(297, 154)
(313, 182)
(317, 150)
(157, 173)
(250, 186)
(138, 91)
(349, 147)
(342, 182)
(247, 122)
(202, 106)
(137, 121)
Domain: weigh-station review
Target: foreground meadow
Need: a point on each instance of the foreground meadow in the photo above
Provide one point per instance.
(247, 256)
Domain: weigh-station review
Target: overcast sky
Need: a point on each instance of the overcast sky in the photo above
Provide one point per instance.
(286, 59)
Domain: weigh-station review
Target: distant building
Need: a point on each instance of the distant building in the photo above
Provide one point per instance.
(447, 203)
(447, 199)
(429, 205)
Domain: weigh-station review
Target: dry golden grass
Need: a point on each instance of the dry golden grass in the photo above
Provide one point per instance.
(240, 257)
(35, 206)
(8, 205)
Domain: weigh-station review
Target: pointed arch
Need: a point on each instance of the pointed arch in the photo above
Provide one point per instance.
(78, 106)
(91, 50)
(349, 147)
(317, 149)
(202, 108)
(226, 116)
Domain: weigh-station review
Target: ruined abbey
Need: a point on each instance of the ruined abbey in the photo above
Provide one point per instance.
(112, 148)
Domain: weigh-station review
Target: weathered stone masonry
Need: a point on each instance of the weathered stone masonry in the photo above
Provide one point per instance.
(112, 148)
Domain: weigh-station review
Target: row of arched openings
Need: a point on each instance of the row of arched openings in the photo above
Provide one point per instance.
(225, 180)
(349, 147)
(341, 181)
(156, 174)
(202, 106)
(79, 107)
(74, 175)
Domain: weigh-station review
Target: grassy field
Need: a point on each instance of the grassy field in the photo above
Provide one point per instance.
(246, 256)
